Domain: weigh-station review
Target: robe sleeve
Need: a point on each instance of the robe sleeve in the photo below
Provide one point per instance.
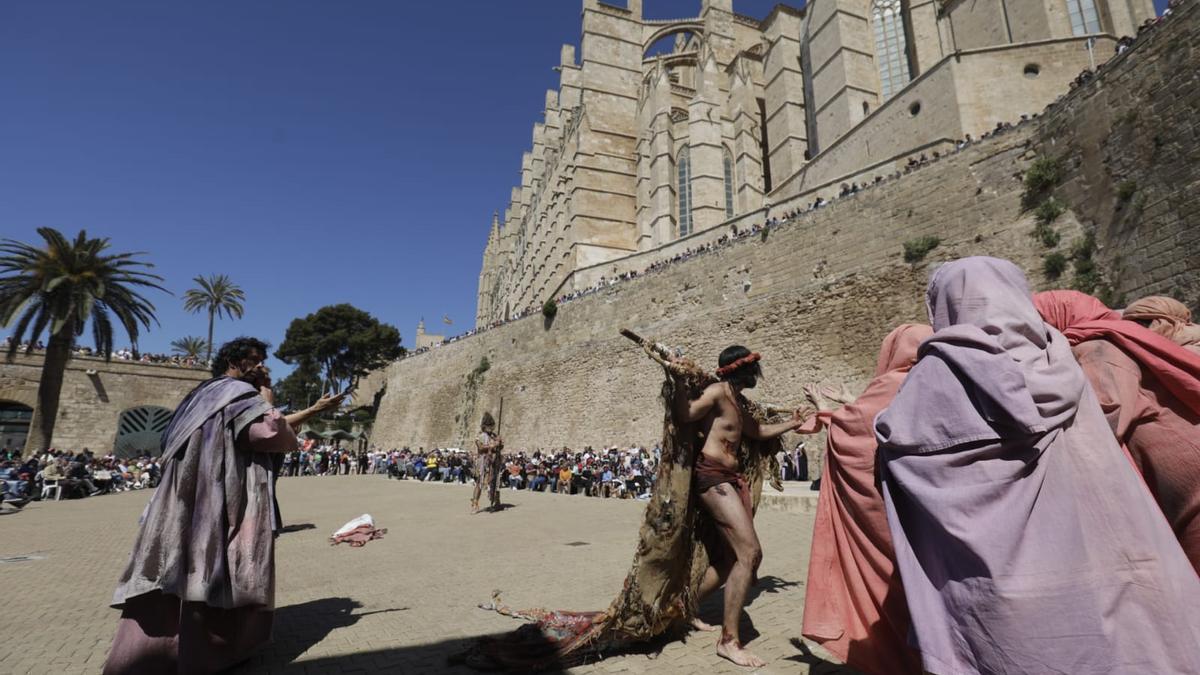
(269, 433)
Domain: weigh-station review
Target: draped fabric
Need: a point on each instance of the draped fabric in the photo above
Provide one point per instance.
(1169, 318)
(1149, 390)
(199, 589)
(1025, 540)
(659, 593)
(855, 605)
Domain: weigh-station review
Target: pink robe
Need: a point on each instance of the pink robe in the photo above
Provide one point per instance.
(855, 603)
(1149, 390)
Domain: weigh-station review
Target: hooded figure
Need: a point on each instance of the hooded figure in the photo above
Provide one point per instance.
(1026, 541)
(1168, 317)
(1149, 390)
(855, 607)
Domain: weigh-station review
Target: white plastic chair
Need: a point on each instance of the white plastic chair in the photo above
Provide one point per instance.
(52, 486)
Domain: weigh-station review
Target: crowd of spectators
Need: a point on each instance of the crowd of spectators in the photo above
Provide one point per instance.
(848, 189)
(123, 354)
(70, 475)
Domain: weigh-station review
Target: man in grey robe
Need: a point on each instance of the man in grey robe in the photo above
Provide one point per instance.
(199, 591)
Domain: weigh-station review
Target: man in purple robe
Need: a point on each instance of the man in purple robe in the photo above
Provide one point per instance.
(1025, 540)
(198, 594)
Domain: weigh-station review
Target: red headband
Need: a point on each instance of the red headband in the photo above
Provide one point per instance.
(752, 357)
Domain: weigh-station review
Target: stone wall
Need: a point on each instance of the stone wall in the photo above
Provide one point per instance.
(1129, 143)
(95, 393)
(817, 295)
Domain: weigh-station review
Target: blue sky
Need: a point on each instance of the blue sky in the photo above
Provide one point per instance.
(315, 151)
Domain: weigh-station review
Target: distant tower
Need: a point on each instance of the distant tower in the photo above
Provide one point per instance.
(424, 339)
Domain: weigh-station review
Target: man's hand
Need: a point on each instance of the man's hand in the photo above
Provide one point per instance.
(800, 416)
(267, 393)
(328, 402)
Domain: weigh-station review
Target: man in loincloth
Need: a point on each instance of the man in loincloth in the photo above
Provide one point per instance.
(724, 492)
(487, 463)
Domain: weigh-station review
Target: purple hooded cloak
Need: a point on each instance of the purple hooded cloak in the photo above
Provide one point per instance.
(1025, 540)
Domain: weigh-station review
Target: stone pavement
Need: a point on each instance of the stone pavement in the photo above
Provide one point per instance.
(398, 605)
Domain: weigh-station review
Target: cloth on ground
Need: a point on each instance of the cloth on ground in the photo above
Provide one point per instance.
(357, 532)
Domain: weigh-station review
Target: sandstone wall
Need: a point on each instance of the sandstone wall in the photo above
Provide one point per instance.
(1130, 146)
(92, 404)
(817, 295)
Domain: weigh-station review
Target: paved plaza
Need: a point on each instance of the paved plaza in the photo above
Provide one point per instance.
(401, 604)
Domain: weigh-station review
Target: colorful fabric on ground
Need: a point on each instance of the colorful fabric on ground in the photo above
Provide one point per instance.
(1129, 368)
(1167, 317)
(206, 540)
(855, 606)
(358, 537)
(1025, 540)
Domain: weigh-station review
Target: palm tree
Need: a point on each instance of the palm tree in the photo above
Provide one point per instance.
(191, 346)
(217, 295)
(61, 287)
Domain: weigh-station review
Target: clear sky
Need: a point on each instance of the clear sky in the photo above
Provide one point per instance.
(316, 151)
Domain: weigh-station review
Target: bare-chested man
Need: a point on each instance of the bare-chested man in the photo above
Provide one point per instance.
(724, 493)
(487, 463)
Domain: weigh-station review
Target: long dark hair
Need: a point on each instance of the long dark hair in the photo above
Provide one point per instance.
(745, 376)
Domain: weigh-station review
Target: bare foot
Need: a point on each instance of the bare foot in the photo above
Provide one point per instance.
(733, 651)
(697, 624)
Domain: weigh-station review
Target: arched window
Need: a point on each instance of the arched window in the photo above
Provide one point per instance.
(891, 48)
(684, 166)
(1084, 19)
(728, 162)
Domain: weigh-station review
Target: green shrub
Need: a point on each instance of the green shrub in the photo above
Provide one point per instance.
(549, 308)
(1126, 190)
(1047, 235)
(483, 367)
(915, 250)
(1087, 274)
(1042, 175)
(1048, 211)
(1053, 265)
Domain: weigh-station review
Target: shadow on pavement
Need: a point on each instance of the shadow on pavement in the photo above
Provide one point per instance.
(296, 527)
(299, 627)
(816, 664)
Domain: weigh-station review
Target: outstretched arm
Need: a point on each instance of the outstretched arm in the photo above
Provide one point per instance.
(297, 418)
(766, 432)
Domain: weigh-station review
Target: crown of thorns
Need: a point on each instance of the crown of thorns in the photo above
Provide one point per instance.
(746, 360)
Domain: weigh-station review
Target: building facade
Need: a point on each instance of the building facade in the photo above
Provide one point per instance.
(663, 131)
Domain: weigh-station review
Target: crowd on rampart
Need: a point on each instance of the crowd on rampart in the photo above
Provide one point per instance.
(846, 189)
(123, 354)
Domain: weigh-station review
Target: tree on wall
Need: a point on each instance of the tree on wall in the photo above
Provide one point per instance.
(343, 342)
(217, 295)
(60, 287)
(192, 346)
